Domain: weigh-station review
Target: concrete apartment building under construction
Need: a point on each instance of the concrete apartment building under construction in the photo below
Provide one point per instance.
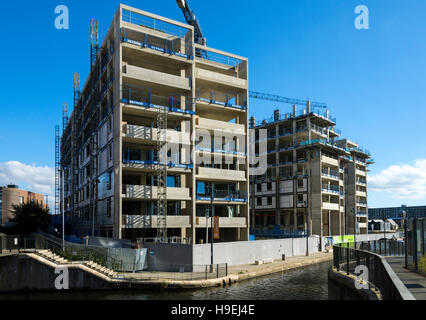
(150, 75)
(314, 183)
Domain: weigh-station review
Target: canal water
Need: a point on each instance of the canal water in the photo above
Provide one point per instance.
(309, 283)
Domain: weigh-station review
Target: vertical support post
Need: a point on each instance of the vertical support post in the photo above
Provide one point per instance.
(63, 209)
(406, 242)
(415, 245)
(423, 236)
(347, 259)
(212, 186)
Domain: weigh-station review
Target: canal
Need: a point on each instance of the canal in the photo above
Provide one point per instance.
(309, 283)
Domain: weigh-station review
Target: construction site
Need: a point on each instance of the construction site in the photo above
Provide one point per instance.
(157, 146)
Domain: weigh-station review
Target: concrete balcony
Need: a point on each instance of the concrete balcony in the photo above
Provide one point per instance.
(211, 174)
(265, 206)
(360, 173)
(145, 221)
(149, 193)
(330, 161)
(157, 78)
(224, 222)
(149, 135)
(220, 79)
(363, 225)
(330, 206)
(330, 191)
(209, 124)
(361, 193)
(329, 176)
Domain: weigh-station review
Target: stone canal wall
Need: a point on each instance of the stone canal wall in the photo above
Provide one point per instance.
(342, 287)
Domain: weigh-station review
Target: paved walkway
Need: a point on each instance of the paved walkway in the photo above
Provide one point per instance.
(414, 282)
(245, 271)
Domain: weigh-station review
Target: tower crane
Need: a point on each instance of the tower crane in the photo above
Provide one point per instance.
(192, 20)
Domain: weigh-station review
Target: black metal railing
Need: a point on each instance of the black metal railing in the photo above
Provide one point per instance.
(415, 237)
(349, 257)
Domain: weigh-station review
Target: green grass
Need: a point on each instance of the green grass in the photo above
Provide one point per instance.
(422, 265)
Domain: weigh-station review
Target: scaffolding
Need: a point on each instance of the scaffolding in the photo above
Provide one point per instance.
(94, 42)
(94, 148)
(64, 116)
(162, 174)
(75, 135)
(57, 169)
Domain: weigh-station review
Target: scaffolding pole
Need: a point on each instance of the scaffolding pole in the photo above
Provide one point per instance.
(94, 42)
(162, 174)
(75, 134)
(57, 169)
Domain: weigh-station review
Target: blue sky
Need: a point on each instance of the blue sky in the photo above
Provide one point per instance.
(372, 80)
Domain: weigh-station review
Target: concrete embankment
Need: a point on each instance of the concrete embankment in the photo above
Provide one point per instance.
(342, 286)
(30, 272)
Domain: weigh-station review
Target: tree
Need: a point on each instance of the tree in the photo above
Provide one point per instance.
(28, 218)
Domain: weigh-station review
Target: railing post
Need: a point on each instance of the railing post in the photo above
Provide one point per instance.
(415, 245)
(357, 257)
(347, 259)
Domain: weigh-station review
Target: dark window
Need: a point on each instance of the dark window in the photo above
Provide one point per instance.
(108, 180)
(109, 208)
(259, 201)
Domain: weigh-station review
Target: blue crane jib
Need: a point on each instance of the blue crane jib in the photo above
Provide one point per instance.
(275, 98)
(193, 21)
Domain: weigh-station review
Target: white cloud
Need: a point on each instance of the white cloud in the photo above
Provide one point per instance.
(30, 178)
(403, 182)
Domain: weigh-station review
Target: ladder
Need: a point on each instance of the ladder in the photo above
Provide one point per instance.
(162, 174)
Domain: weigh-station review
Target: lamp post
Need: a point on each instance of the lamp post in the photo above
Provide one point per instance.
(355, 225)
(211, 223)
(307, 231)
(63, 209)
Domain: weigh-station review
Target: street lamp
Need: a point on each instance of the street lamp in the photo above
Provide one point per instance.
(211, 223)
(307, 230)
(355, 225)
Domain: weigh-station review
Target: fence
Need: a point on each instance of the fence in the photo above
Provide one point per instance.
(415, 259)
(107, 257)
(350, 256)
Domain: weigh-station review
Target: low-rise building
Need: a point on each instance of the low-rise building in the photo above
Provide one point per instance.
(11, 195)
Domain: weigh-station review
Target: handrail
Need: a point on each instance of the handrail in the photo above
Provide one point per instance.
(348, 257)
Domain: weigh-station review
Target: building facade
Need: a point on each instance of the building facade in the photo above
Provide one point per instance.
(396, 213)
(149, 65)
(314, 183)
(11, 195)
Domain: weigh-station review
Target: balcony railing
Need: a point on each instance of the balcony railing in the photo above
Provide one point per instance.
(152, 23)
(299, 113)
(225, 195)
(332, 174)
(140, 96)
(152, 163)
(225, 150)
(331, 189)
(222, 99)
